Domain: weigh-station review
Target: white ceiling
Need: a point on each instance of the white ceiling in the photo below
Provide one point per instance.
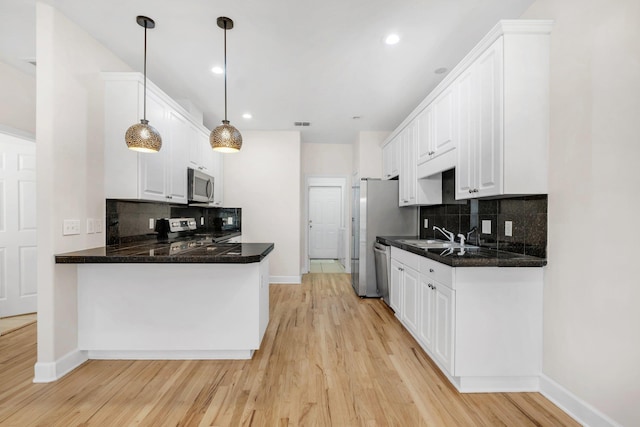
(321, 61)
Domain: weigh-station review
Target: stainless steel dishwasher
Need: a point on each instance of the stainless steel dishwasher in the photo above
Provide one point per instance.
(382, 259)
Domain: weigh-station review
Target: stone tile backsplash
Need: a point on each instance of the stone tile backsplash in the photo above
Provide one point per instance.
(528, 215)
(128, 220)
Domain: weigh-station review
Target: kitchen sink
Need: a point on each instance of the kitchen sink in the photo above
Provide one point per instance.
(433, 244)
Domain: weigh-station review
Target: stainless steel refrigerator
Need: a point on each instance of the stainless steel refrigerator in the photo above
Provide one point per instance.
(375, 212)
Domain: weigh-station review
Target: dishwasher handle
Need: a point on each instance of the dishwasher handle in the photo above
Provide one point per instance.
(380, 248)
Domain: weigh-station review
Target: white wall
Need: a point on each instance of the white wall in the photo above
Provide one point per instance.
(325, 160)
(264, 180)
(69, 173)
(367, 154)
(18, 100)
(592, 285)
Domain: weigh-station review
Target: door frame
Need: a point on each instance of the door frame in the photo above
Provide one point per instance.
(341, 181)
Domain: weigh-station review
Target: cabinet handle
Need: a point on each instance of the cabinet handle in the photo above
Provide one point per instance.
(433, 287)
(401, 269)
(475, 190)
(169, 197)
(431, 153)
(430, 285)
(431, 270)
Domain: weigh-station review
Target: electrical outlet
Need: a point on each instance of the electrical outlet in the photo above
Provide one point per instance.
(508, 228)
(90, 226)
(486, 226)
(230, 220)
(201, 220)
(70, 227)
(99, 225)
(426, 223)
(151, 223)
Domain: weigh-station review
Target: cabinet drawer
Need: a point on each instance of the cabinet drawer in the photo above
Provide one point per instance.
(439, 272)
(406, 258)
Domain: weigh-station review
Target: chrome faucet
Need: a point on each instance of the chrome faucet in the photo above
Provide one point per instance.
(470, 232)
(444, 231)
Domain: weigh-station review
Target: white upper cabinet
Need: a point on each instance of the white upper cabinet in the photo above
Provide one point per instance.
(391, 156)
(503, 119)
(437, 137)
(158, 176)
(201, 155)
(489, 118)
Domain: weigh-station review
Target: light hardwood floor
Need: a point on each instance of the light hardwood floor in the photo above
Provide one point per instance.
(328, 358)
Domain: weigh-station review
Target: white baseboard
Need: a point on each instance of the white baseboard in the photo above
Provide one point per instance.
(285, 279)
(171, 354)
(575, 407)
(53, 371)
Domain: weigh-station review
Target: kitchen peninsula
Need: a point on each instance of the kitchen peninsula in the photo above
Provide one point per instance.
(187, 299)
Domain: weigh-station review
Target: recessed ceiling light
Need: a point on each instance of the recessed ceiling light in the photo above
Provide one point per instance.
(217, 70)
(440, 70)
(392, 39)
(247, 116)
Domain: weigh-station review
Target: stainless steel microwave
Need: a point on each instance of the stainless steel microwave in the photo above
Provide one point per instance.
(200, 186)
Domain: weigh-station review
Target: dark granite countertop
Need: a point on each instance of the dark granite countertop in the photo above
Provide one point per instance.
(188, 250)
(470, 257)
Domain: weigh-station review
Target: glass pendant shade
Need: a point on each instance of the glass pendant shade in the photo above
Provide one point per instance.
(143, 137)
(225, 138)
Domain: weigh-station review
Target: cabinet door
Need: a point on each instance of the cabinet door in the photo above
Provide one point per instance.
(444, 306)
(443, 122)
(410, 299)
(195, 148)
(395, 157)
(208, 161)
(152, 166)
(424, 137)
(386, 160)
(490, 134)
(177, 161)
(395, 286)
(425, 329)
(466, 123)
(407, 194)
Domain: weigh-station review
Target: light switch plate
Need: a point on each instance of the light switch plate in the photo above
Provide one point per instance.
(90, 226)
(151, 223)
(70, 227)
(508, 228)
(99, 225)
(486, 226)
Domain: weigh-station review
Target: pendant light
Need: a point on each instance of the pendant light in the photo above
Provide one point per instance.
(142, 136)
(225, 138)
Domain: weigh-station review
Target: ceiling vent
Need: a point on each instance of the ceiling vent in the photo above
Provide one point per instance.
(301, 124)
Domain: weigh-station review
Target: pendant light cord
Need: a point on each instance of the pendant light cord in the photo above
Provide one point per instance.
(144, 103)
(225, 71)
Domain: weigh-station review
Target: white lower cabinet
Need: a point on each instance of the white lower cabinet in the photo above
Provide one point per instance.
(437, 305)
(410, 300)
(481, 325)
(395, 284)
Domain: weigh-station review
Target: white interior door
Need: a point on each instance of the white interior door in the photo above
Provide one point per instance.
(18, 281)
(325, 210)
